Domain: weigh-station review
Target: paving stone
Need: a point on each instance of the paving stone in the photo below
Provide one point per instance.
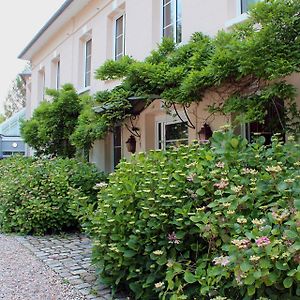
(70, 257)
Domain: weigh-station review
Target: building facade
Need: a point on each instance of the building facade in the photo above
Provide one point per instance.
(83, 34)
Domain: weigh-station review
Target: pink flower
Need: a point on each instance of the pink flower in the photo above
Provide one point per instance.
(173, 238)
(262, 241)
(222, 184)
(222, 260)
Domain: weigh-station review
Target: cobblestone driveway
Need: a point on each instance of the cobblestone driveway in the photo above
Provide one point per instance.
(69, 256)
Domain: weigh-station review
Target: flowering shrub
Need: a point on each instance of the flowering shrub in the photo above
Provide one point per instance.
(203, 222)
(36, 195)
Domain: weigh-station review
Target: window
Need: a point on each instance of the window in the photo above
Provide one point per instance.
(172, 23)
(57, 77)
(273, 122)
(245, 5)
(117, 136)
(119, 38)
(41, 84)
(171, 134)
(87, 63)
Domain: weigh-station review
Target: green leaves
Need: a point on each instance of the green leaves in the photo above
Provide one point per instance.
(189, 277)
(38, 196)
(231, 231)
(52, 124)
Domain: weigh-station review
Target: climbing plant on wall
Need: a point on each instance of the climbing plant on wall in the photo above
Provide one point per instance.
(247, 66)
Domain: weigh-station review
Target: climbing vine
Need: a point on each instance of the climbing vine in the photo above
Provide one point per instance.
(247, 66)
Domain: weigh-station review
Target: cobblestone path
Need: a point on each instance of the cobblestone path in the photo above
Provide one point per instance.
(69, 256)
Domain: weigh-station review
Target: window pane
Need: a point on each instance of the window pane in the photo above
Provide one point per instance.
(178, 32)
(245, 4)
(168, 15)
(119, 46)
(178, 9)
(88, 63)
(169, 32)
(117, 145)
(58, 75)
(119, 38)
(176, 131)
(119, 26)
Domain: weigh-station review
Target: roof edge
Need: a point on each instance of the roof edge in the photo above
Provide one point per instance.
(58, 13)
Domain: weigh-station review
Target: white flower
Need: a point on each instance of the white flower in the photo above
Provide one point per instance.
(158, 252)
(159, 285)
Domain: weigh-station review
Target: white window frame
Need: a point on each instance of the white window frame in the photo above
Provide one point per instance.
(163, 133)
(117, 17)
(240, 17)
(85, 43)
(175, 20)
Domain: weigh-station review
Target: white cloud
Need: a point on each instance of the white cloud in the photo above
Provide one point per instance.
(19, 21)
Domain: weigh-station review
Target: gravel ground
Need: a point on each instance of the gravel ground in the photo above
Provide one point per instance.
(25, 277)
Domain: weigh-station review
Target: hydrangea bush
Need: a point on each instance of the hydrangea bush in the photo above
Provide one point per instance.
(218, 221)
(36, 195)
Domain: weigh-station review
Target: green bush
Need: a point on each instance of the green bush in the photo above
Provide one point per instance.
(203, 222)
(36, 195)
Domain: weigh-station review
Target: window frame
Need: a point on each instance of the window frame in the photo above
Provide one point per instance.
(85, 61)
(115, 19)
(162, 132)
(177, 18)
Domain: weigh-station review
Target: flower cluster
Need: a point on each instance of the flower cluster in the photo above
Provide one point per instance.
(221, 260)
(273, 169)
(100, 185)
(173, 238)
(222, 184)
(262, 241)
(241, 244)
(249, 171)
(241, 220)
(237, 189)
(258, 222)
(220, 165)
(280, 216)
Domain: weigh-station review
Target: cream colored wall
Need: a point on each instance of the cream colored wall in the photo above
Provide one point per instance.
(146, 122)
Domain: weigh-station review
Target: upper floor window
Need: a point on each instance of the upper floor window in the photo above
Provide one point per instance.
(87, 63)
(172, 19)
(57, 77)
(119, 38)
(245, 5)
(41, 84)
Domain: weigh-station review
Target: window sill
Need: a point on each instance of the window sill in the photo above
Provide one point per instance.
(83, 90)
(239, 19)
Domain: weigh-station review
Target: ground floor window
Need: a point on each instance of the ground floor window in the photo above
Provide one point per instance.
(171, 134)
(273, 122)
(117, 145)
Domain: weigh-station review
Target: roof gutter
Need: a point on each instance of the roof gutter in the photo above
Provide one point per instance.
(65, 5)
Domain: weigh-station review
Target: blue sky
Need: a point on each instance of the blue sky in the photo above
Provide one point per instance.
(19, 21)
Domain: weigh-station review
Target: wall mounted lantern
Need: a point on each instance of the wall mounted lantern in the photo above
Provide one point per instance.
(131, 144)
(205, 133)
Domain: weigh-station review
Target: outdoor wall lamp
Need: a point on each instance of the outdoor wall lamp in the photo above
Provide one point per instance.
(205, 133)
(131, 144)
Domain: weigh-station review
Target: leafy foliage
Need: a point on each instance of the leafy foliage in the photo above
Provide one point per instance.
(36, 195)
(199, 222)
(52, 123)
(91, 125)
(240, 65)
(16, 97)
